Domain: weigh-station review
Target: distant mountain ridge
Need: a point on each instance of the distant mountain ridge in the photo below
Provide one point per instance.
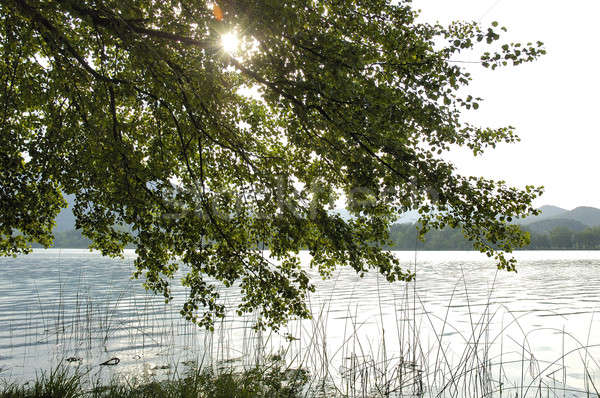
(551, 217)
(588, 216)
(548, 211)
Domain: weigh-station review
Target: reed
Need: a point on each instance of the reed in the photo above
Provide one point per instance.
(420, 354)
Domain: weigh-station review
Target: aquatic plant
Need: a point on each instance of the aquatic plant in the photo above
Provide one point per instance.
(415, 352)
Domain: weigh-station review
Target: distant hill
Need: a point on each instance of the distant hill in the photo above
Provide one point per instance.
(551, 211)
(589, 216)
(545, 226)
(548, 211)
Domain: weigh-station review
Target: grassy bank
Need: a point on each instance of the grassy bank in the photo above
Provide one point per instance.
(270, 380)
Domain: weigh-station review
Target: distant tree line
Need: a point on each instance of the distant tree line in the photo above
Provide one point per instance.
(69, 239)
(404, 237)
(565, 238)
(72, 239)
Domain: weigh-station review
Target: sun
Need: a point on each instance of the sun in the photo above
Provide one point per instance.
(230, 42)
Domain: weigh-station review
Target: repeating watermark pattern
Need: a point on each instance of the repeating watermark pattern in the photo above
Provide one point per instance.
(286, 199)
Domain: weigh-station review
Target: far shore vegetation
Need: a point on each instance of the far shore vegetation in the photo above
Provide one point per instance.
(404, 237)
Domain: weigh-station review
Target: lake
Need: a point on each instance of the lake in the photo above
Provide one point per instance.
(528, 331)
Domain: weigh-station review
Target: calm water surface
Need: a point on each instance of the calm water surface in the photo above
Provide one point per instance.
(72, 303)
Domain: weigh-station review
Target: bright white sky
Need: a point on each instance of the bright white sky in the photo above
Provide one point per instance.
(553, 103)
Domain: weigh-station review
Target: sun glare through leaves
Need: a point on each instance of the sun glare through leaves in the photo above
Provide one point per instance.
(230, 42)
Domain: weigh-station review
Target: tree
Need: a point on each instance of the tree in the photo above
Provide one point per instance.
(561, 238)
(539, 241)
(589, 238)
(134, 107)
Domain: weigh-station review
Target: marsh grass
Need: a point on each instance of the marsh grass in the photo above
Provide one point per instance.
(413, 356)
(262, 381)
(58, 382)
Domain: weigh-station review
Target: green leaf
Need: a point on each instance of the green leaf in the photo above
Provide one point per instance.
(138, 111)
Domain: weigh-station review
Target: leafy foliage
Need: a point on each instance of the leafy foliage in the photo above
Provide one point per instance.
(135, 108)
